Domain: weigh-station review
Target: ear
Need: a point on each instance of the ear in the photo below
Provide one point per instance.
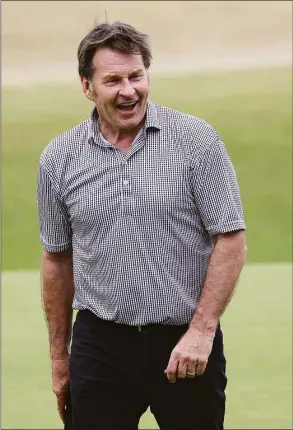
(87, 87)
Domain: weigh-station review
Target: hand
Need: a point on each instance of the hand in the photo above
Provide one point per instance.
(190, 356)
(60, 376)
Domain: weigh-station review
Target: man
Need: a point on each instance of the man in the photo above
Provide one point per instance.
(142, 229)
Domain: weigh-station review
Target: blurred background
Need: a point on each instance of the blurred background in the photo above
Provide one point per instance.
(229, 62)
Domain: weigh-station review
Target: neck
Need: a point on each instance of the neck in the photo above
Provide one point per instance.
(123, 139)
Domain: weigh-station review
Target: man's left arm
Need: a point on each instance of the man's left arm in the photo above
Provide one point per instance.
(217, 198)
(225, 266)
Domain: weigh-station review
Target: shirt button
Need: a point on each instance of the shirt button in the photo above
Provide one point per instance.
(125, 182)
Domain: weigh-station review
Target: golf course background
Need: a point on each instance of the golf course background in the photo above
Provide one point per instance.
(227, 62)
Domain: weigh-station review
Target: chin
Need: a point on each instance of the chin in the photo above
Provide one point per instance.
(130, 124)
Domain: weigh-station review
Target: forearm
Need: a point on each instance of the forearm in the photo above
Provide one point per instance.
(57, 292)
(226, 263)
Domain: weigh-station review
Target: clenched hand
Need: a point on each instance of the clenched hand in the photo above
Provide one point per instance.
(190, 356)
(60, 376)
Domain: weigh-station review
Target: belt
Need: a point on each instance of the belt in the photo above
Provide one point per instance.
(87, 314)
(156, 327)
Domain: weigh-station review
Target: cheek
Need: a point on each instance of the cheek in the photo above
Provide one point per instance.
(142, 91)
(106, 99)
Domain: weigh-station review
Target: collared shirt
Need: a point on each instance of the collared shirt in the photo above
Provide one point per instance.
(140, 223)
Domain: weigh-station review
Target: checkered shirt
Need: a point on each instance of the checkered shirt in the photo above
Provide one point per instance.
(140, 223)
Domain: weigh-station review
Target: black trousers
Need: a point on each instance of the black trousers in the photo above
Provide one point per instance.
(117, 372)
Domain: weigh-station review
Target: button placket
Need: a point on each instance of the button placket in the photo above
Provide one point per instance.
(125, 187)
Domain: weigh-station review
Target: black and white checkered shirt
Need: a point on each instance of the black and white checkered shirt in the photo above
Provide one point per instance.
(139, 222)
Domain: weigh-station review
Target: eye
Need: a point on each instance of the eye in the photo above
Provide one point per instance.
(112, 82)
(135, 77)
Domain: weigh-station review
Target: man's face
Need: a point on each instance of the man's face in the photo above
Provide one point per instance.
(120, 88)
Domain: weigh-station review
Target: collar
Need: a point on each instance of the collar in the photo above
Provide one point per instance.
(151, 121)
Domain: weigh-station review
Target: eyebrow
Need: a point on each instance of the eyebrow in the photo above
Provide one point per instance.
(116, 75)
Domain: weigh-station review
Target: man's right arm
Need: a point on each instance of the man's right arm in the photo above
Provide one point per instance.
(57, 295)
(57, 275)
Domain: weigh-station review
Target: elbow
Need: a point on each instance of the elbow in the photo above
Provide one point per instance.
(244, 254)
(241, 248)
(242, 243)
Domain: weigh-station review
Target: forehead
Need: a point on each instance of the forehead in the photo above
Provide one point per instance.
(106, 61)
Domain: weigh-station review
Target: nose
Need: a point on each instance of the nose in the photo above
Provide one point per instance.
(127, 89)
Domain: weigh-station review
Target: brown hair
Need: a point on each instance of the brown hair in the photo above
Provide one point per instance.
(118, 36)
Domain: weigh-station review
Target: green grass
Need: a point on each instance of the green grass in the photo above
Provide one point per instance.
(258, 345)
(252, 110)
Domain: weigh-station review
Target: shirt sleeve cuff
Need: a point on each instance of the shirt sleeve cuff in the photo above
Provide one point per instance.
(55, 248)
(227, 228)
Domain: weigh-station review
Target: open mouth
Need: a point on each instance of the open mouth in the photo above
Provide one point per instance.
(127, 107)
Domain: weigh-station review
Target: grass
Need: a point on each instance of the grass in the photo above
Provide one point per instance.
(251, 109)
(258, 345)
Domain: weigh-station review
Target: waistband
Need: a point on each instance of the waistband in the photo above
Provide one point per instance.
(87, 315)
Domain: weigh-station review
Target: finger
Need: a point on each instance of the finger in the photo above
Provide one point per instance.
(181, 370)
(200, 367)
(171, 370)
(191, 371)
(61, 402)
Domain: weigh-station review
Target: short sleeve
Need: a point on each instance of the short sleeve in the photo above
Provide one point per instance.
(216, 191)
(54, 225)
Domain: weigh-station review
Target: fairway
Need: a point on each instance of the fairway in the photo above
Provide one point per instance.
(227, 62)
(258, 346)
(252, 110)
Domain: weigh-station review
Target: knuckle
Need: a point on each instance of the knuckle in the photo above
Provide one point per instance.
(202, 360)
(183, 357)
(176, 355)
(58, 391)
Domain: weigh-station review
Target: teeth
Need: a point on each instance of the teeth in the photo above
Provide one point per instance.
(127, 104)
